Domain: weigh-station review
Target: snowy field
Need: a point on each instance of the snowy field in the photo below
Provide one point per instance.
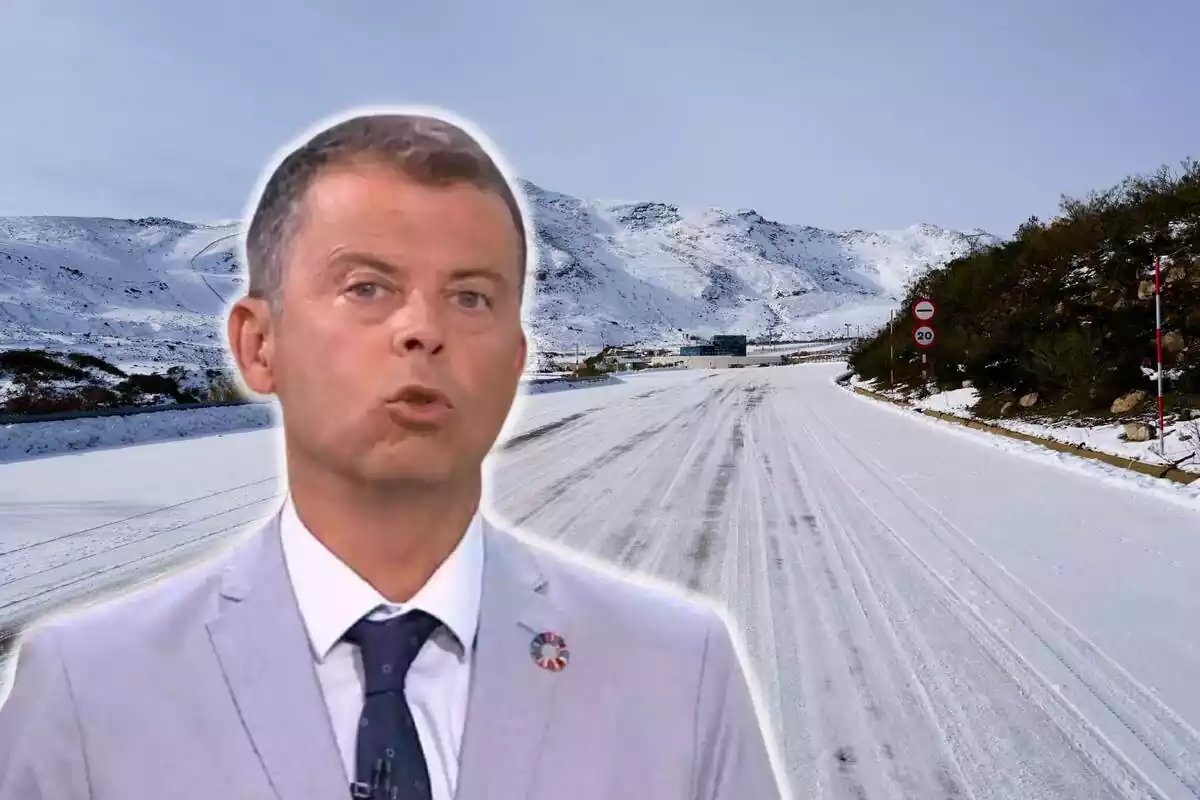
(933, 612)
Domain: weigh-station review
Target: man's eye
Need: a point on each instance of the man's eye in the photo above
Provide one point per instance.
(365, 291)
(473, 299)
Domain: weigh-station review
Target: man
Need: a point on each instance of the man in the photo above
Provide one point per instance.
(379, 637)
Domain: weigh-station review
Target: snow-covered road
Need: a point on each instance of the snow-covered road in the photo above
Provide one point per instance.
(932, 613)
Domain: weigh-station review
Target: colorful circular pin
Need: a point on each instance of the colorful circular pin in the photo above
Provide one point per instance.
(549, 651)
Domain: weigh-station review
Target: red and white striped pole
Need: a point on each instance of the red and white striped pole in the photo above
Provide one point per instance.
(1158, 335)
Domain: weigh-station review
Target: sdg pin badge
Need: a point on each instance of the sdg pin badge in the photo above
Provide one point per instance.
(549, 651)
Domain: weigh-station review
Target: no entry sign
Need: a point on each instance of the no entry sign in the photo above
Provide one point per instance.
(924, 309)
(924, 336)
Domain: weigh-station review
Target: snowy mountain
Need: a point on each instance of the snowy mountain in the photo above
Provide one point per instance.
(148, 293)
(139, 293)
(617, 273)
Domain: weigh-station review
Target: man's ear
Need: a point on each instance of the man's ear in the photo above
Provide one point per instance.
(251, 333)
(522, 354)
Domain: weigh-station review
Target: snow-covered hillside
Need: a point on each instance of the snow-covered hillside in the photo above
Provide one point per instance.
(616, 273)
(140, 293)
(149, 292)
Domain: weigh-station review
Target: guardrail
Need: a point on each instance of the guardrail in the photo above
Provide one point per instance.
(16, 419)
(126, 411)
(823, 357)
(540, 379)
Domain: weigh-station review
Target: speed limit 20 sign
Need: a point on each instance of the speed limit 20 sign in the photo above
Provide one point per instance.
(924, 336)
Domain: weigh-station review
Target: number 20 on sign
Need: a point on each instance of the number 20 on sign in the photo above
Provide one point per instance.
(924, 337)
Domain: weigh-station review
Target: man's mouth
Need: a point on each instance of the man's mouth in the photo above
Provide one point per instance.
(420, 405)
(420, 395)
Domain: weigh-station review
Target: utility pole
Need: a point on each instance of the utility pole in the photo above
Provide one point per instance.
(892, 351)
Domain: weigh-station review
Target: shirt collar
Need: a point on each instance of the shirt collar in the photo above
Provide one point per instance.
(332, 596)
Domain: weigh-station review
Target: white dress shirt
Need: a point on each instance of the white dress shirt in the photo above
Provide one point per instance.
(332, 597)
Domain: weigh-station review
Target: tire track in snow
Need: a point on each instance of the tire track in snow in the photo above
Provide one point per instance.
(1029, 724)
(1168, 738)
(560, 487)
(41, 573)
(800, 723)
(522, 439)
(915, 673)
(560, 456)
(615, 479)
(864, 755)
(1040, 731)
(701, 553)
(665, 555)
(651, 480)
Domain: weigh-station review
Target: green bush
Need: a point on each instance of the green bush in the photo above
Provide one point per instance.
(1062, 309)
(133, 390)
(223, 389)
(88, 360)
(588, 369)
(36, 363)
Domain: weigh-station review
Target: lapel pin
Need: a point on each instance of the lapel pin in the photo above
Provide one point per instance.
(549, 651)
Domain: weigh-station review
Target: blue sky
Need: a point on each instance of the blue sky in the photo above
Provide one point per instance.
(836, 114)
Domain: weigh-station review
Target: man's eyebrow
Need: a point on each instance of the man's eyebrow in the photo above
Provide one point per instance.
(350, 257)
(491, 273)
(354, 257)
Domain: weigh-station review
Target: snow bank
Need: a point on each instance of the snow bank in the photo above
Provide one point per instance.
(1182, 438)
(553, 385)
(34, 439)
(1105, 438)
(958, 402)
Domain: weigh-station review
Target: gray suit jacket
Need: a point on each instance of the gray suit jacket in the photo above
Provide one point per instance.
(203, 686)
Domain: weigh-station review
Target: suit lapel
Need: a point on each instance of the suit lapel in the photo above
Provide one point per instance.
(261, 644)
(511, 697)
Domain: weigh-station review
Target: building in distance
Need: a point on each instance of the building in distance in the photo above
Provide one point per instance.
(721, 345)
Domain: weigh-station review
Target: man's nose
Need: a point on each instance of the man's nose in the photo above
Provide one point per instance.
(418, 325)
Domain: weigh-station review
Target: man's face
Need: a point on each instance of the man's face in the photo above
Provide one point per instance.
(398, 348)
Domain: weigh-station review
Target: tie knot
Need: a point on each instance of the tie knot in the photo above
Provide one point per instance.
(390, 646)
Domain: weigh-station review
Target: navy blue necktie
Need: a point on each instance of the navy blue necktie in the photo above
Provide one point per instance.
(390, 764)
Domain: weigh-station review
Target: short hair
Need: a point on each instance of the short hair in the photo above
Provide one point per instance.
(424, 149)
